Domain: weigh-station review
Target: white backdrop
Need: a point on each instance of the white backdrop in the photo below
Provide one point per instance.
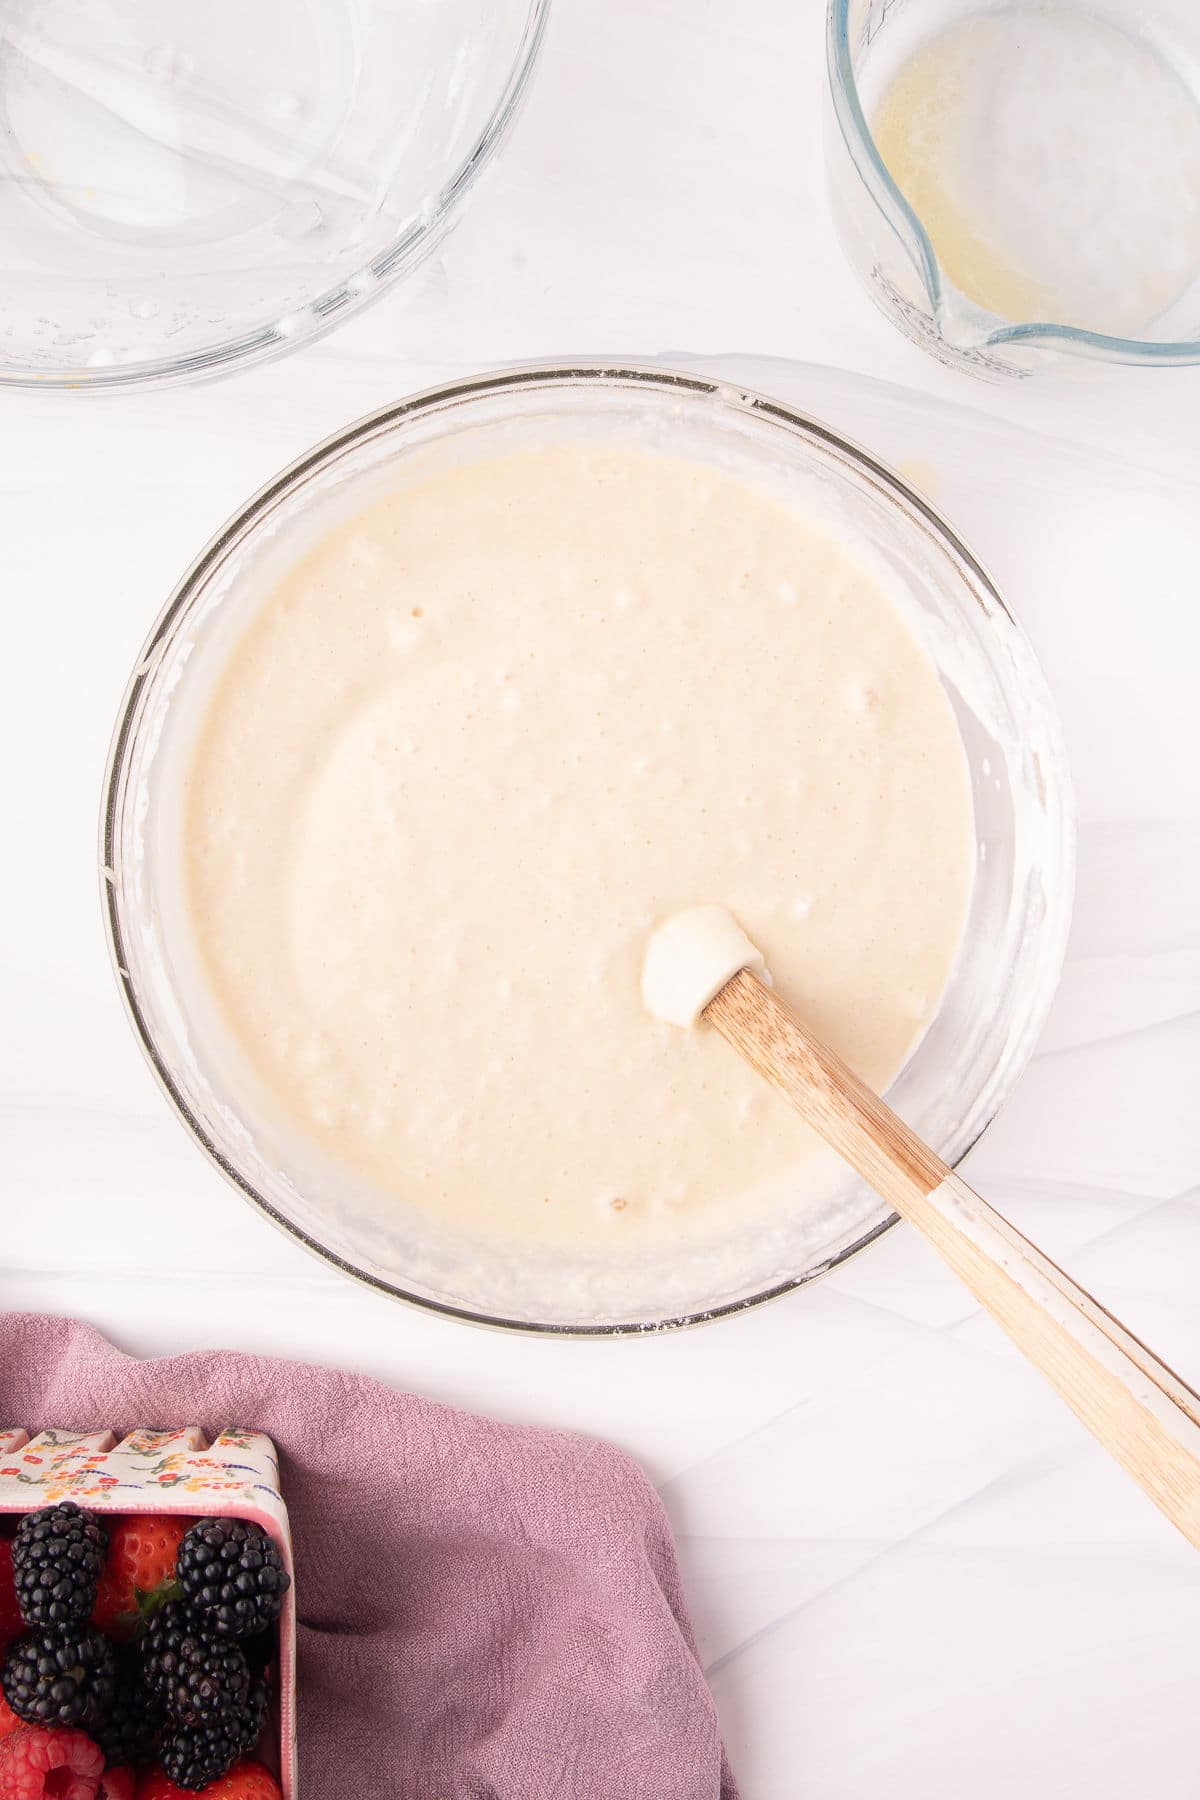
(911, 1572)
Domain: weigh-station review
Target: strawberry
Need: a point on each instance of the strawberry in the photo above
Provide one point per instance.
(117, 1784)
(11, 1622)
(36, 1762)
(247, 1780)
(139, 1573)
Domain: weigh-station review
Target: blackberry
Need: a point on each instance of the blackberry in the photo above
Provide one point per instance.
(129, 1735)
(58, 1554)
(61, 1677)
(232, 1572)
(262, 1653)
(193, 1756)
(254, 1715)
(198, 1678)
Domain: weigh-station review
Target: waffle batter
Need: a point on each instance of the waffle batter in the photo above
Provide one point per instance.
(476, 744)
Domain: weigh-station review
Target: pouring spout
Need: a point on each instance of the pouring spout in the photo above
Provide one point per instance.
(962, 325)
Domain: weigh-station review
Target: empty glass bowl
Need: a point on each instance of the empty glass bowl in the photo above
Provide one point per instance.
(189, 188)
(1019, 183)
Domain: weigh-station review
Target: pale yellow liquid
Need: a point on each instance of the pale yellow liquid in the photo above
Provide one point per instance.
(1054, 163)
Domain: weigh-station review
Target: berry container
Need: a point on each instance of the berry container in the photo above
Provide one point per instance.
(235, 1476)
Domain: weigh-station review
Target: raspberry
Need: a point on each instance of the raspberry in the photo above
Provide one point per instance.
(198, 1678)
(140, 1569)
(35, 1763)
(245, 1781)
(233, 1573)
(61, 1677)
(57, 1556)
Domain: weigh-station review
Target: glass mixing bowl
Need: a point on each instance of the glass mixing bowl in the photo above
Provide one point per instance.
(893, 253)
(1000, 987)
(188, 188)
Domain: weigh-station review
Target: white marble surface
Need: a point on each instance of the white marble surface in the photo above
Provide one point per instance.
(911, 1571)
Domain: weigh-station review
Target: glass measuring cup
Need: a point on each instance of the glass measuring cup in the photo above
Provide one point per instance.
(892, 248)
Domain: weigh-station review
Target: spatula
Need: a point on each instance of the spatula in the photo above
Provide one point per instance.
(1137, 1407)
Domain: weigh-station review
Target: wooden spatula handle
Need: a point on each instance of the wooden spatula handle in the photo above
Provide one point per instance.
(1137, 1407)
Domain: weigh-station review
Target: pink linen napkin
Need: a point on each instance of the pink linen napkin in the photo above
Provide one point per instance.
(485, 1611)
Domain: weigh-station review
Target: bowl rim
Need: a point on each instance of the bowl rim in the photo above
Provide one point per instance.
(533, 377)
(906, 225)
(347, 296)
